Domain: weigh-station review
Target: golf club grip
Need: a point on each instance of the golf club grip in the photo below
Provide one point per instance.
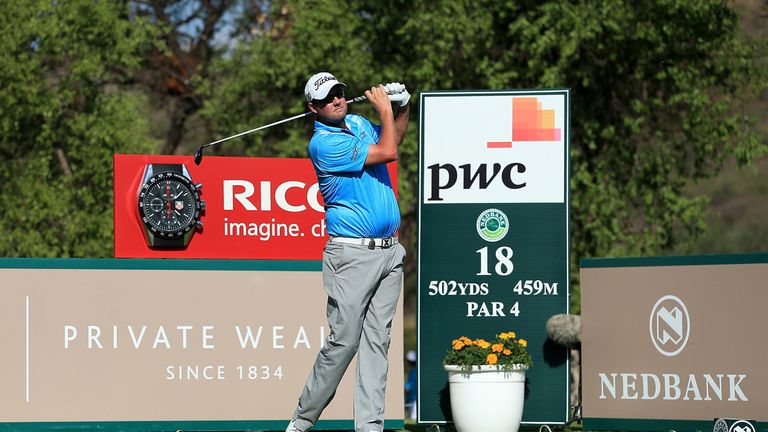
(362, 98)
(357, 99)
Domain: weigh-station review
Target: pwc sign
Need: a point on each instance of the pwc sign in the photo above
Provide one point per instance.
(493, 214)
(494, 147)
(254, 208)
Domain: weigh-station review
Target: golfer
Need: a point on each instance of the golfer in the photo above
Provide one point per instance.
(362, 261)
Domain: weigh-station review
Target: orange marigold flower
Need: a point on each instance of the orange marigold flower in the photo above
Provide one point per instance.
(482, 344)
(523, 342)
(465, 340)
(503, 336)
(491, 359)
(457, 345)
(507, 352)
(497, 348)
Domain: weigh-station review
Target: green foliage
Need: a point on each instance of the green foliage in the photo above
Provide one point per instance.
(658, 100)
(506, 352)
(657, 93)
(736, 222)
(262, 80)
(63, 117)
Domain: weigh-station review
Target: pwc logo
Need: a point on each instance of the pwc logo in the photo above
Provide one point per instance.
(669, 325)
(445, 176)
(494, 148)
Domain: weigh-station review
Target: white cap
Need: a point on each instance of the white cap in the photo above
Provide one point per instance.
(319, 85)
(411, 356)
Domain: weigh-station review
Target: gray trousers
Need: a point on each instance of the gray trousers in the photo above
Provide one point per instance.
(363, 288)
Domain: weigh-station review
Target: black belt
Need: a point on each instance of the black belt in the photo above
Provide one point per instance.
(372, 243)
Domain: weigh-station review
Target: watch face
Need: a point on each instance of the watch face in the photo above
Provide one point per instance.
(169, 205)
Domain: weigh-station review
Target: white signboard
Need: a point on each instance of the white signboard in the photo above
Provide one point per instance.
(494, 148)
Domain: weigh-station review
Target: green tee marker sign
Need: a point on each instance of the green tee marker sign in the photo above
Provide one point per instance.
(493, 236)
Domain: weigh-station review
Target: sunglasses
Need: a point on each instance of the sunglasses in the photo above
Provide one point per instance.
(338, 93)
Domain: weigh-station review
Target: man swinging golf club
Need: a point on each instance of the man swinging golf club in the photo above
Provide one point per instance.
(362, 261)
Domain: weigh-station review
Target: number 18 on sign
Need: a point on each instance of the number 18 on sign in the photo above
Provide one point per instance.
(493, 236)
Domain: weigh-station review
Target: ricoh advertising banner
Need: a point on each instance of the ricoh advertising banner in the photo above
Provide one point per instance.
(227, 207)
(493, 236)
(172, 345)
(675, 343)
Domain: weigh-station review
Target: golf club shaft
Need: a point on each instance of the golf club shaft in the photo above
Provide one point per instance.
(298, 116)
(259, 128)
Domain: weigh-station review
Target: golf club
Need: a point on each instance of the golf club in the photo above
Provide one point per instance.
(199, 152)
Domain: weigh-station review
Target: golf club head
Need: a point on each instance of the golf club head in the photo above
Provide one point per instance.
(199, 156)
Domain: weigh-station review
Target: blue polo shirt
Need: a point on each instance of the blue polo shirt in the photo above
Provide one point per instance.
(359, 200)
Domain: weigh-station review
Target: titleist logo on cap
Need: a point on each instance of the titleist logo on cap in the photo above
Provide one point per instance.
(324, 79)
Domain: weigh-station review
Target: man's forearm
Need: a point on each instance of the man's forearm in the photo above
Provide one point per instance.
(388, 137)
(401, 123)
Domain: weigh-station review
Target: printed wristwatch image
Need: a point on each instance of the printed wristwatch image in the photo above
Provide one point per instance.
(169, 205)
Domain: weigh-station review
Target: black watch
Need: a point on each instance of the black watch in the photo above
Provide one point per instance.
(169, 205)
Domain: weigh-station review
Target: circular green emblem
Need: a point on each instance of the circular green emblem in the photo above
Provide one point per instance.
(492, 225)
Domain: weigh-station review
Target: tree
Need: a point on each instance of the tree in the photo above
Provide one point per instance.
(658, 90)
(65, 112)
(262, 78)
(657, 93)
(177, 67)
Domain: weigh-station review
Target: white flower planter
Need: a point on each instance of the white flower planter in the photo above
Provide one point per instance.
(486, 399)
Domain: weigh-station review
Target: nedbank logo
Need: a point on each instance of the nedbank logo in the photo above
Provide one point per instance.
(492, 225)
(732, 425)
(670, 325)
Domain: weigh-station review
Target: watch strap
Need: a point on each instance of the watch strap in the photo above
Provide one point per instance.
(174, 168)
(168, 243)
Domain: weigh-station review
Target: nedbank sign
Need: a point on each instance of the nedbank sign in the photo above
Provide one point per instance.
(675, 342)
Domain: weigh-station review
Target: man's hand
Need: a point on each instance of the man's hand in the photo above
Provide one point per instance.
(378, 97)
(398, 94)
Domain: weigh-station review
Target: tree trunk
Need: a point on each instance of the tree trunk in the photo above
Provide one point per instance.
(182, 109)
